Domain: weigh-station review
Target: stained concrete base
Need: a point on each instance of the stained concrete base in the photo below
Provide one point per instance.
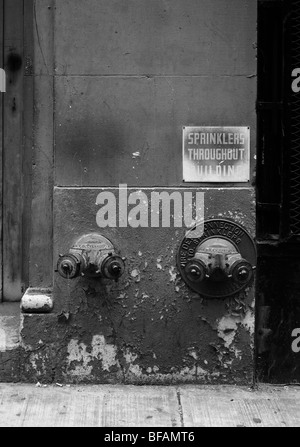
(23, 405)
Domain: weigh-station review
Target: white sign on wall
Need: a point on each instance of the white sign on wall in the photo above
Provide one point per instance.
(216, 154)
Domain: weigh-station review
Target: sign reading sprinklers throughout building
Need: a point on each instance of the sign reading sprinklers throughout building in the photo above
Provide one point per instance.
(216, 154)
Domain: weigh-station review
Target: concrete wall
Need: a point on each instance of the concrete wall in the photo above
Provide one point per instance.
(113, 78)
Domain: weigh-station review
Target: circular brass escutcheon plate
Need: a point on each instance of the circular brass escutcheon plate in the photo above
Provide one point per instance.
(92, 241)
(216, 228)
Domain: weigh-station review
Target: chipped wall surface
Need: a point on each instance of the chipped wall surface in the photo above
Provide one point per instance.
(148, 327)
(127, 77)
(9, 342)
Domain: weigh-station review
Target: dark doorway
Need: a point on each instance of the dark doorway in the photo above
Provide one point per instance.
(278, 192)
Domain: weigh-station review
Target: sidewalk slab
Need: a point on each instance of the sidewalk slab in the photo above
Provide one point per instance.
(88, 406)
(226, 406)
(29, 405)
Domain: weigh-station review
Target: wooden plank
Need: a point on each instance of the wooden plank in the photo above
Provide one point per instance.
(1, 139)
(12, 156)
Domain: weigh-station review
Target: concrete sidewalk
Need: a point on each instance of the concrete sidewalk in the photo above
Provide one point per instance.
(24, 405)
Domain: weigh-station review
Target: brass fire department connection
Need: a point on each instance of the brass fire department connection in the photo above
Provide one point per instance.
(92, 255)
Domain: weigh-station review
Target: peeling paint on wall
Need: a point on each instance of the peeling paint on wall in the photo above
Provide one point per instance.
(2, 340)
(227, 328)
(99, 350)
(228, 325)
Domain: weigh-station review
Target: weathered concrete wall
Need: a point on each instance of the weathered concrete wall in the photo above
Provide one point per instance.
(40, 254)
(127, 77)
(130, 74)
(148, 327)
(9, 342)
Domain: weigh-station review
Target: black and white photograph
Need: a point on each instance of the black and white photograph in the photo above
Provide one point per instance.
(150, 216)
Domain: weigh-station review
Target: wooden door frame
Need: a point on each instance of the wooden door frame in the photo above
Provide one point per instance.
(16, 29)
(1, 137)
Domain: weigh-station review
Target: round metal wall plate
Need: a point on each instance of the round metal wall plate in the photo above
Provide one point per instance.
(217, 228)
(92, 241)
(91, 245)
